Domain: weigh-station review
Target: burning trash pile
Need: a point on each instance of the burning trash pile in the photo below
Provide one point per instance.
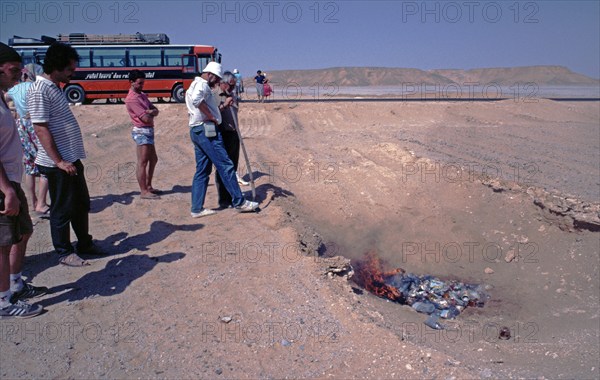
(426, 294)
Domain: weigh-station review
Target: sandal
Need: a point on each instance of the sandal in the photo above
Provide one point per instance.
(72, 260)
(43, 213)
(149, 196)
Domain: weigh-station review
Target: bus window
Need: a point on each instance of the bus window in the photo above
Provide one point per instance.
(203, 61)
(84, 57)
(109, 57)
(173, 57)
(145, 57)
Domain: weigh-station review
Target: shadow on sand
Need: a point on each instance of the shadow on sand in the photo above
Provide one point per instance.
(117, 244)
(113, 279)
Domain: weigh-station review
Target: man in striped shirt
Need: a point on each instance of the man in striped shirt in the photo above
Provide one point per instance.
(59, 157)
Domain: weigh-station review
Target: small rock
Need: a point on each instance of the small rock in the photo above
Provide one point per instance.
(409, 367)
(510, 256)
(285, 343)
(486, 373)
(218, 371)
(226, 319)
(488, 270)
(94, 135)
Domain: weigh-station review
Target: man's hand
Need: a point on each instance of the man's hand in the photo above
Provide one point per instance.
(11, 203)
(67, 167)
(228, 101)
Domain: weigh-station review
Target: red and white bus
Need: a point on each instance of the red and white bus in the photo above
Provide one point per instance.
(106, 60)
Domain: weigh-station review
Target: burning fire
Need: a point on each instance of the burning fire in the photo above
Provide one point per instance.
(369, 273)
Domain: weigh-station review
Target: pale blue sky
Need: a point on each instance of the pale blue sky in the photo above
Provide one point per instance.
(279, 34)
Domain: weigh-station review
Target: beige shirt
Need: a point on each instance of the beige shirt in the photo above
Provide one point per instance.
(11, 151)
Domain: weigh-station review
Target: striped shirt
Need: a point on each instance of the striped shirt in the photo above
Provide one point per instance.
(47, 103)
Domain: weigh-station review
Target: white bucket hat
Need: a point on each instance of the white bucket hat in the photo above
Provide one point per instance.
(214, 68)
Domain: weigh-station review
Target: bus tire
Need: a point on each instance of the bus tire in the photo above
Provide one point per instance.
(178, 93)
(75, 94)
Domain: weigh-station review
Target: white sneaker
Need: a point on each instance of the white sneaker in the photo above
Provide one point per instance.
(240, 180)
(247, 206)
(204, 212)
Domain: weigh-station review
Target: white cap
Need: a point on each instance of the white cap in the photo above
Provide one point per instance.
(214, 68)
(235, 71)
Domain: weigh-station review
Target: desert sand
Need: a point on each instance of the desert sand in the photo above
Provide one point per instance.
(498, 193)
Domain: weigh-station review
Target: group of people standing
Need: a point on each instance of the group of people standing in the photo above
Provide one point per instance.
(58, 153)
(212, 106)
(263, 88)
(45, 118)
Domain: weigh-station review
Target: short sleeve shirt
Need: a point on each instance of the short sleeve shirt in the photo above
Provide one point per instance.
(259, 79)
(199, 92)
(47, 103)
(11, 151)
(137, 104)
(19, 96)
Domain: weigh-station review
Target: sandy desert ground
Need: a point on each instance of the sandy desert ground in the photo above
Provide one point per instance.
(441, 188)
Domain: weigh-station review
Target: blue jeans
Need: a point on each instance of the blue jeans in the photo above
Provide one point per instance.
(209, 151)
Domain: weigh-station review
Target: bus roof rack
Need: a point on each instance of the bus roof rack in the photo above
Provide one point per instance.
(27, 41)
(113, 39)
(94, 39)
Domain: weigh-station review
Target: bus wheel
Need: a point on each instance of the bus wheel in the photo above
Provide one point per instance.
(75, 94)
(178, 93)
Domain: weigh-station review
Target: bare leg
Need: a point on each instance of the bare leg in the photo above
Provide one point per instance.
(4, 268)
(17, 254)
(152, 160)
(143, 157)
(42, 205)
(30, 190)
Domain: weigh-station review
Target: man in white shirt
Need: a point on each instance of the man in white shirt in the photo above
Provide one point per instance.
(204, 119)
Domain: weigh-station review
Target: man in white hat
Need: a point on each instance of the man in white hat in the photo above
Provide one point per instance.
(204, 119)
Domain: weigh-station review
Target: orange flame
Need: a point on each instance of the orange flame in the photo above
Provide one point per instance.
(369, 273)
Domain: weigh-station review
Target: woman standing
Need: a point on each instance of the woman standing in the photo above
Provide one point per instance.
(29, 140)
(142, 114)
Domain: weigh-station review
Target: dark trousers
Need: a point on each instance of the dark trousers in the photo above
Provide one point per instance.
(70, 207)
(231, 141)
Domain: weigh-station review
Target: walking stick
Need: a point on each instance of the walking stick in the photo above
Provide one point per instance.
(252, 186)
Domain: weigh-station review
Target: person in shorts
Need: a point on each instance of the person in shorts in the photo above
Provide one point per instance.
(260, 85)
(142, 113)
(15, 223)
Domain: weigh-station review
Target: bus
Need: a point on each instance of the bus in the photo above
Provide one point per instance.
(106, 60)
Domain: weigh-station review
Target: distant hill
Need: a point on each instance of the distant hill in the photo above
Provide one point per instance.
(385, 76)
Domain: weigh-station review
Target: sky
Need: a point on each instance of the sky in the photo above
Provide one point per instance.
(280, 34)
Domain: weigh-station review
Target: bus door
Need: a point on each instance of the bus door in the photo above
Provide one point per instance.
(189, 65)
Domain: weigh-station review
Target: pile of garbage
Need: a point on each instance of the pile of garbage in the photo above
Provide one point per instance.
(440, 299)
(426, 294)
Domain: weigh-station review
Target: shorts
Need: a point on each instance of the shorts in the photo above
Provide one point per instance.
(260, 88)
(12, 228)
(143, 136)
